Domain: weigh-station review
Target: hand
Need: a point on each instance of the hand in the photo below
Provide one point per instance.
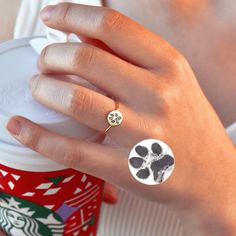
(159, 97)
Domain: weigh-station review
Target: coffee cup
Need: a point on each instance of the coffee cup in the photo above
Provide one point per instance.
(37, 195)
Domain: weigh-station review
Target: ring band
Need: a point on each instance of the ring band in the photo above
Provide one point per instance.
(114, 117)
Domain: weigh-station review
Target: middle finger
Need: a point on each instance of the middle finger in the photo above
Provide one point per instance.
(101, 68)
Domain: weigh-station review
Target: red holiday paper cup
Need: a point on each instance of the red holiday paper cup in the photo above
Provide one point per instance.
(64, 202)
(37, 195)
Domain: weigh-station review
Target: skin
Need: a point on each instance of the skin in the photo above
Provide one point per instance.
(204, 32)
(184, 24)
(157, 91)
(8, 14)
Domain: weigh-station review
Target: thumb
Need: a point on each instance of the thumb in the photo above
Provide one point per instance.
(110, 194)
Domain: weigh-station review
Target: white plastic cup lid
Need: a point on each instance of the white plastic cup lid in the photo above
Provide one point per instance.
(18, 64)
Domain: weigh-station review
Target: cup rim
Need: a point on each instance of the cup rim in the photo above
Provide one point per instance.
(19, 43)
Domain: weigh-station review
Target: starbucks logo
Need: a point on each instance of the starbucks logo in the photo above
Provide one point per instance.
(22, 218)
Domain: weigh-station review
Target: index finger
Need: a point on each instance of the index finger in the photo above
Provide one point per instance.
(124, 36)
(86, 156)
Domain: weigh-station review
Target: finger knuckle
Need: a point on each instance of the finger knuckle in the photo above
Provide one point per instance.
(32, 138)
(148, 128)
(178, 63)
(43, 60)
(112, 20)
(73, 158)
(84, 55)
(80, 103)
(64, 12)
(143, 125)
(35, 87)
(153, 86)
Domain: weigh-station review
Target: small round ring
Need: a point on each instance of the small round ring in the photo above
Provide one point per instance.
(114, 118)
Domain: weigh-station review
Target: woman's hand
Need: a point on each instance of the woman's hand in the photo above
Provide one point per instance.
(159, 97)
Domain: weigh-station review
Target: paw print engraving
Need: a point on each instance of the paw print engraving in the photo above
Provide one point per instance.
(151, 161)
(115, 118)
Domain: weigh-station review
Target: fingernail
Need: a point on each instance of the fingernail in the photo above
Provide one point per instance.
(47, 12)
(14, 126)
(33, 83)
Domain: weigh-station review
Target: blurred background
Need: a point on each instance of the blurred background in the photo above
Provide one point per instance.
(8, 14)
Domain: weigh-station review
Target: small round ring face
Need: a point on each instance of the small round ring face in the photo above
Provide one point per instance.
(115, 118)
(151, 161)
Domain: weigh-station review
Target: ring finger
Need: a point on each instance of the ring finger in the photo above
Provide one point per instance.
(89, 107)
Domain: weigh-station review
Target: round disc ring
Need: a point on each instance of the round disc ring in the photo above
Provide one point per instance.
(115, 117)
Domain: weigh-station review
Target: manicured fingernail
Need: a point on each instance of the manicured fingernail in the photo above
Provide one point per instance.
(14, 126)
(47, 12)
